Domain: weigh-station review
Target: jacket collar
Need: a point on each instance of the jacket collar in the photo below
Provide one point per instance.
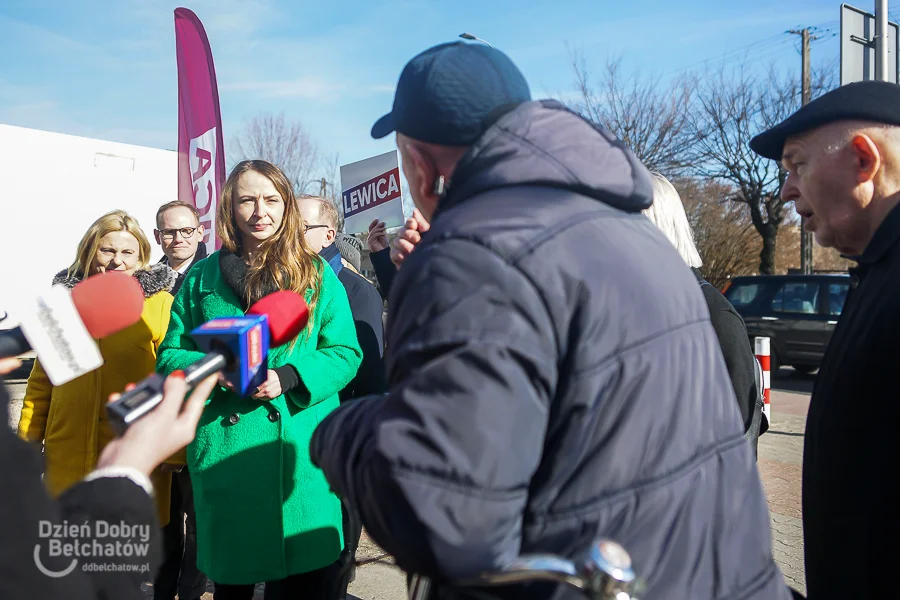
(158, 278)
(198, 256)
(332, 256)
(886, 237)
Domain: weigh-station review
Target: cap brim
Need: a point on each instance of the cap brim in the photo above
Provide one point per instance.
(383, 126)
(770, 144)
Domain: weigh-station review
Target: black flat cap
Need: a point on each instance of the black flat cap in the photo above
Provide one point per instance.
(876, 101)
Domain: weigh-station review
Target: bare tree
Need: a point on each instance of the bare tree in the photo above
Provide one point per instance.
(652, 121)
(731, 107)
(285, 143)
(723, 231)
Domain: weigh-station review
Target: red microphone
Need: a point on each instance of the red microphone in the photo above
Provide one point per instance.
(237, 347)
(61, 326)
(287, 315)
(108, 303)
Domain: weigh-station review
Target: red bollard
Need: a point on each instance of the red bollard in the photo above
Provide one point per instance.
(762, 349)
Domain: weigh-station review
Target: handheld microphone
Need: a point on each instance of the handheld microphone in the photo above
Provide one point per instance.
(237, 347)
(61, 326)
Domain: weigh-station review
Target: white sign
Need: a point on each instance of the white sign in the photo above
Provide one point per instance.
(371, 190)
(202, 156)
(858, 46)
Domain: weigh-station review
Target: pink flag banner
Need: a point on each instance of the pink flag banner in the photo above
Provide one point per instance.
(201, 151)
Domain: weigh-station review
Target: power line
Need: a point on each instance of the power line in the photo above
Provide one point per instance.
(774, 44)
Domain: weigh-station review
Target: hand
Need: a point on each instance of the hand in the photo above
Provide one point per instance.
(409, 237)
(163, 431)
(8, 365)
(377, 238)
(270, 388)
(224, 383)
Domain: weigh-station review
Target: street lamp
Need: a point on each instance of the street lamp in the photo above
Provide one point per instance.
(469, 36)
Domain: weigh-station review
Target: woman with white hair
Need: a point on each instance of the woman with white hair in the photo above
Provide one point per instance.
(667, 213)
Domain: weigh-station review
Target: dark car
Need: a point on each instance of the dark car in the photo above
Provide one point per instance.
(797, 312)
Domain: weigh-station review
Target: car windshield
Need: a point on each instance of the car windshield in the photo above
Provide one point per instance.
(743, 294)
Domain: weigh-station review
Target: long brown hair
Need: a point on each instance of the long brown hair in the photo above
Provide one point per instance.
(284, 261)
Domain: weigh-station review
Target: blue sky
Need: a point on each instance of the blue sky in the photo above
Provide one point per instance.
(106, 69)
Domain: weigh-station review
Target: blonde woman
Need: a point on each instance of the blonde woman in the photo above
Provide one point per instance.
(264, 512)
(71, 419)
(668, 214)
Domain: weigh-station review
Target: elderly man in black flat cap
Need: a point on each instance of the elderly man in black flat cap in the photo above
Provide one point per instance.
(842, 152)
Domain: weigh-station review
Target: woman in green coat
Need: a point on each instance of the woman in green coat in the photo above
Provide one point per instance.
(264, 512)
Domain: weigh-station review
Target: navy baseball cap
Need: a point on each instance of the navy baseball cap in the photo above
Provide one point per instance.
(450, 93)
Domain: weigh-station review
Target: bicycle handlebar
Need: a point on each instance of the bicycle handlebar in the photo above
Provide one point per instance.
(604, 573)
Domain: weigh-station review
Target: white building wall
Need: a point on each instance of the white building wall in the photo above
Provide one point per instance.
(53, 186)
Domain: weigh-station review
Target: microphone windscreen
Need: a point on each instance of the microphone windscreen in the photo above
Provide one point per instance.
(108, 302)
(288, 314)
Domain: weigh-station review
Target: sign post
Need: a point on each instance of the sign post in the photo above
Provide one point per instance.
(371, 190)
(858, 47)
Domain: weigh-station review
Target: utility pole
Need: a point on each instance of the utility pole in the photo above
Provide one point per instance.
(806, 238)
(324, 183)
(881, 47)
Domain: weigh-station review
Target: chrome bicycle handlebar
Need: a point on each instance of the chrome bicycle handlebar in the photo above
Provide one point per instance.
(604, 573)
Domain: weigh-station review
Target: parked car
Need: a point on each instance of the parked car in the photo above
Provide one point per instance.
(797, 312)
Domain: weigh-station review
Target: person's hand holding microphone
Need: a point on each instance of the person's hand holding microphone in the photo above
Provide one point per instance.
(162, 432)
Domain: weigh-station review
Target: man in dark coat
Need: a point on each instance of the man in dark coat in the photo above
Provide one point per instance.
(180, 234)
(842, 153)
(553, 373)
(320, 222)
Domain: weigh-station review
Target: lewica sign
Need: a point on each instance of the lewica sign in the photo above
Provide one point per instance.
(371, 190)
(383, 188)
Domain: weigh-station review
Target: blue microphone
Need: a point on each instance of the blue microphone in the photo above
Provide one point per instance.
(237, 347)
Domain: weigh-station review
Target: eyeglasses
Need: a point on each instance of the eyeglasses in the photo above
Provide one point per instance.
(308, 227)
(169, 234)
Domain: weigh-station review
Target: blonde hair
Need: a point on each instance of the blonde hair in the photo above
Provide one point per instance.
(114, 220)
(284, 261)
(667, 213)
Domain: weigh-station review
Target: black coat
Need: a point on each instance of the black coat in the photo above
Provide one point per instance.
(367, 308)
(25, 503)
(179, 279)
(553, 376)
(385, 271)
(735, 343)
(851, 499)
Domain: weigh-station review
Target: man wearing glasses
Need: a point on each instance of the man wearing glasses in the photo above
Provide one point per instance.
(320, 225)
(179, 232)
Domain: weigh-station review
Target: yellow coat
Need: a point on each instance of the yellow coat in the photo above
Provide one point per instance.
(71, 419)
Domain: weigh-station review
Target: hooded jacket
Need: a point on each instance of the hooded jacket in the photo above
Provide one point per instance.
(553, 376)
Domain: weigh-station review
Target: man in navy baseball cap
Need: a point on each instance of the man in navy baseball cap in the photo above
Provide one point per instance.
(533, 400)
(451, 93)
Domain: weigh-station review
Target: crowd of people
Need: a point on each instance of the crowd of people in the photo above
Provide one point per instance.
(552, 368)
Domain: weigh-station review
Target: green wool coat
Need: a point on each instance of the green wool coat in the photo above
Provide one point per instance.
(264, 512)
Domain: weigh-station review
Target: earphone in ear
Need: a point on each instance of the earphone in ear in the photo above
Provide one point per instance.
(439, 186)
